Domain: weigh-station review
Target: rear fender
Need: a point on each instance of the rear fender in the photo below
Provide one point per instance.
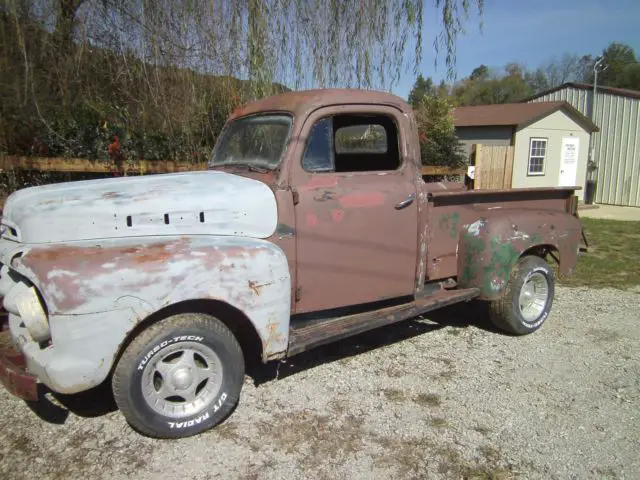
(489, 247)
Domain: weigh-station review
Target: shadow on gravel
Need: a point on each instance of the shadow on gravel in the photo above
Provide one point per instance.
(93, 403)
(99, 401)
(458, 316)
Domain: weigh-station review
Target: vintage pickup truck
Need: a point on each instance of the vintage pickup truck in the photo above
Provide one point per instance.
(312, 224)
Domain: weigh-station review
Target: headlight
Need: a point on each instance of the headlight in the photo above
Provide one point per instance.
(24, 301)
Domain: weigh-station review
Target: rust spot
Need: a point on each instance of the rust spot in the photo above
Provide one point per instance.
(312, 219)
(51, 202)
(109, 195)
(76, 267)
(273, 336)
(324, 196)
(154, 253)
(337, 215)
(362, 200)
(255, 288)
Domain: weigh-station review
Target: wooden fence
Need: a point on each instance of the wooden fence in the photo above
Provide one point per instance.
(493, 167)
(81, 165)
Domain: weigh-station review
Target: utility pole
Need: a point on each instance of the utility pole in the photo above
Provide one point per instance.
(596, 67)
(593, 164)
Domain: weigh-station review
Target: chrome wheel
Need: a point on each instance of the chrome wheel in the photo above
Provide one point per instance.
(182, 379)
(533, 297)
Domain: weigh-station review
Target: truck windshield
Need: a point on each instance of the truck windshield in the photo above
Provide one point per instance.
(254, 142)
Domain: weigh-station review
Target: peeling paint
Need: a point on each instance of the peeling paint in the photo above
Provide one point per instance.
(362, 200)
(217, 204)
(312, 219)
(474, 228)
(252, 276)
(285, 231)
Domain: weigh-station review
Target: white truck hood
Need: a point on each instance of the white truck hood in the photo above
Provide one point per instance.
(206, 203)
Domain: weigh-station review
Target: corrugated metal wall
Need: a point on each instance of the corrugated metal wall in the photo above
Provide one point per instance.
(617, 145)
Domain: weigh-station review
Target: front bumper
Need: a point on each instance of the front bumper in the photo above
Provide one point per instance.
(13, 373)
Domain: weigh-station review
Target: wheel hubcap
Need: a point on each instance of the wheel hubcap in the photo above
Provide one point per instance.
(181, 380)
(533, 297)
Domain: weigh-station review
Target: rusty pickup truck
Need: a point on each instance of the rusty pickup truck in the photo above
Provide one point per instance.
(313, 223)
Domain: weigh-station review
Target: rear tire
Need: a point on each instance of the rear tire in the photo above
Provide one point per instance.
(179, 377)
(527, 298)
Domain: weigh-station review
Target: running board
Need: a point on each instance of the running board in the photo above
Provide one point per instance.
(311, 334)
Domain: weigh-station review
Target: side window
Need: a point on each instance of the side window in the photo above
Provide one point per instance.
(319, 154)
(365, 143)
(353, 143)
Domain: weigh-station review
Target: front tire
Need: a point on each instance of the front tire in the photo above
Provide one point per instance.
(179, 377)
(527, 298)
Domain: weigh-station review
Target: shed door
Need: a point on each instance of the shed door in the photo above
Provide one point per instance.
(569, 162)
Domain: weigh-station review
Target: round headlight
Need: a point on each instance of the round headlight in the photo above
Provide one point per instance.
(32, 314)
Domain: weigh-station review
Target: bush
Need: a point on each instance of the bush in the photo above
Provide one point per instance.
(438, 142)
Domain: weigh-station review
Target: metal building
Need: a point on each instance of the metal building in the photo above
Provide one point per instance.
(617, 145)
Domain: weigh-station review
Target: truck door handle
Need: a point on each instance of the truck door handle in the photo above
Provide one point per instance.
(406, 202)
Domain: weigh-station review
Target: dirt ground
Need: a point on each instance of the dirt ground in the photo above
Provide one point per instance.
(440, 397)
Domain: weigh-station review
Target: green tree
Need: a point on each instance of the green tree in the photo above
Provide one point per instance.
(421, 88)
(620, 67)
(438, 142)
(537, 81)
(480, 74)
(480, 88)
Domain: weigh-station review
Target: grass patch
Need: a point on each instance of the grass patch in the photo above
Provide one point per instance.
(613, 259)
(428, 400)
(438, 422)
(393, 394)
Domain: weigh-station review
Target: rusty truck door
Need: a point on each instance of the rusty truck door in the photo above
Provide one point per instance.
(356, 214)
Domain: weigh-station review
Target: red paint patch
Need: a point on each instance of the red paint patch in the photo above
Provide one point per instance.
(320, 182)
(362, 200)
(312, 219)
(337, 215)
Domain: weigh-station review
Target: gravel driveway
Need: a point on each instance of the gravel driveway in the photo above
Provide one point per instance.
(441, 397)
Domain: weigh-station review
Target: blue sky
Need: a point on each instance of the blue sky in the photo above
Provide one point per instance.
(530, 32)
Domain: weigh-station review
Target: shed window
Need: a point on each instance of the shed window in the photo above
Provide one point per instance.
(537, 155)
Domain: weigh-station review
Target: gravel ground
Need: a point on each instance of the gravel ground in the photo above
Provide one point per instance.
(443, 397)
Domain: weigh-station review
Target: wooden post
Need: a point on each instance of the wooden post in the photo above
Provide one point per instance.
(508, 170)
(477, 181)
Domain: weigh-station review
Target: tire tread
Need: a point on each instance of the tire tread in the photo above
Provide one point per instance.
(126, 364)
(501, 310)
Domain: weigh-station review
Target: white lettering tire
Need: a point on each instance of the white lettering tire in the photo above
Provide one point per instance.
(527, 298)
(179, 377)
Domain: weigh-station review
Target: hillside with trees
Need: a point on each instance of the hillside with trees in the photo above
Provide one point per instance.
(515, 82)
(156, 79)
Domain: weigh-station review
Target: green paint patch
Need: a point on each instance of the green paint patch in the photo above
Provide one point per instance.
(496, 273)
(474, 246)
(450, 222)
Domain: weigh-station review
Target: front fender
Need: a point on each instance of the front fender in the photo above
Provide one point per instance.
(140, 276)
(489, 248)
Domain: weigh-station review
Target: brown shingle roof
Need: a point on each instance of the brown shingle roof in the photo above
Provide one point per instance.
(515, 114)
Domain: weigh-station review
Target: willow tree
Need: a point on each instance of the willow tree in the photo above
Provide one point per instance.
(169, 69)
